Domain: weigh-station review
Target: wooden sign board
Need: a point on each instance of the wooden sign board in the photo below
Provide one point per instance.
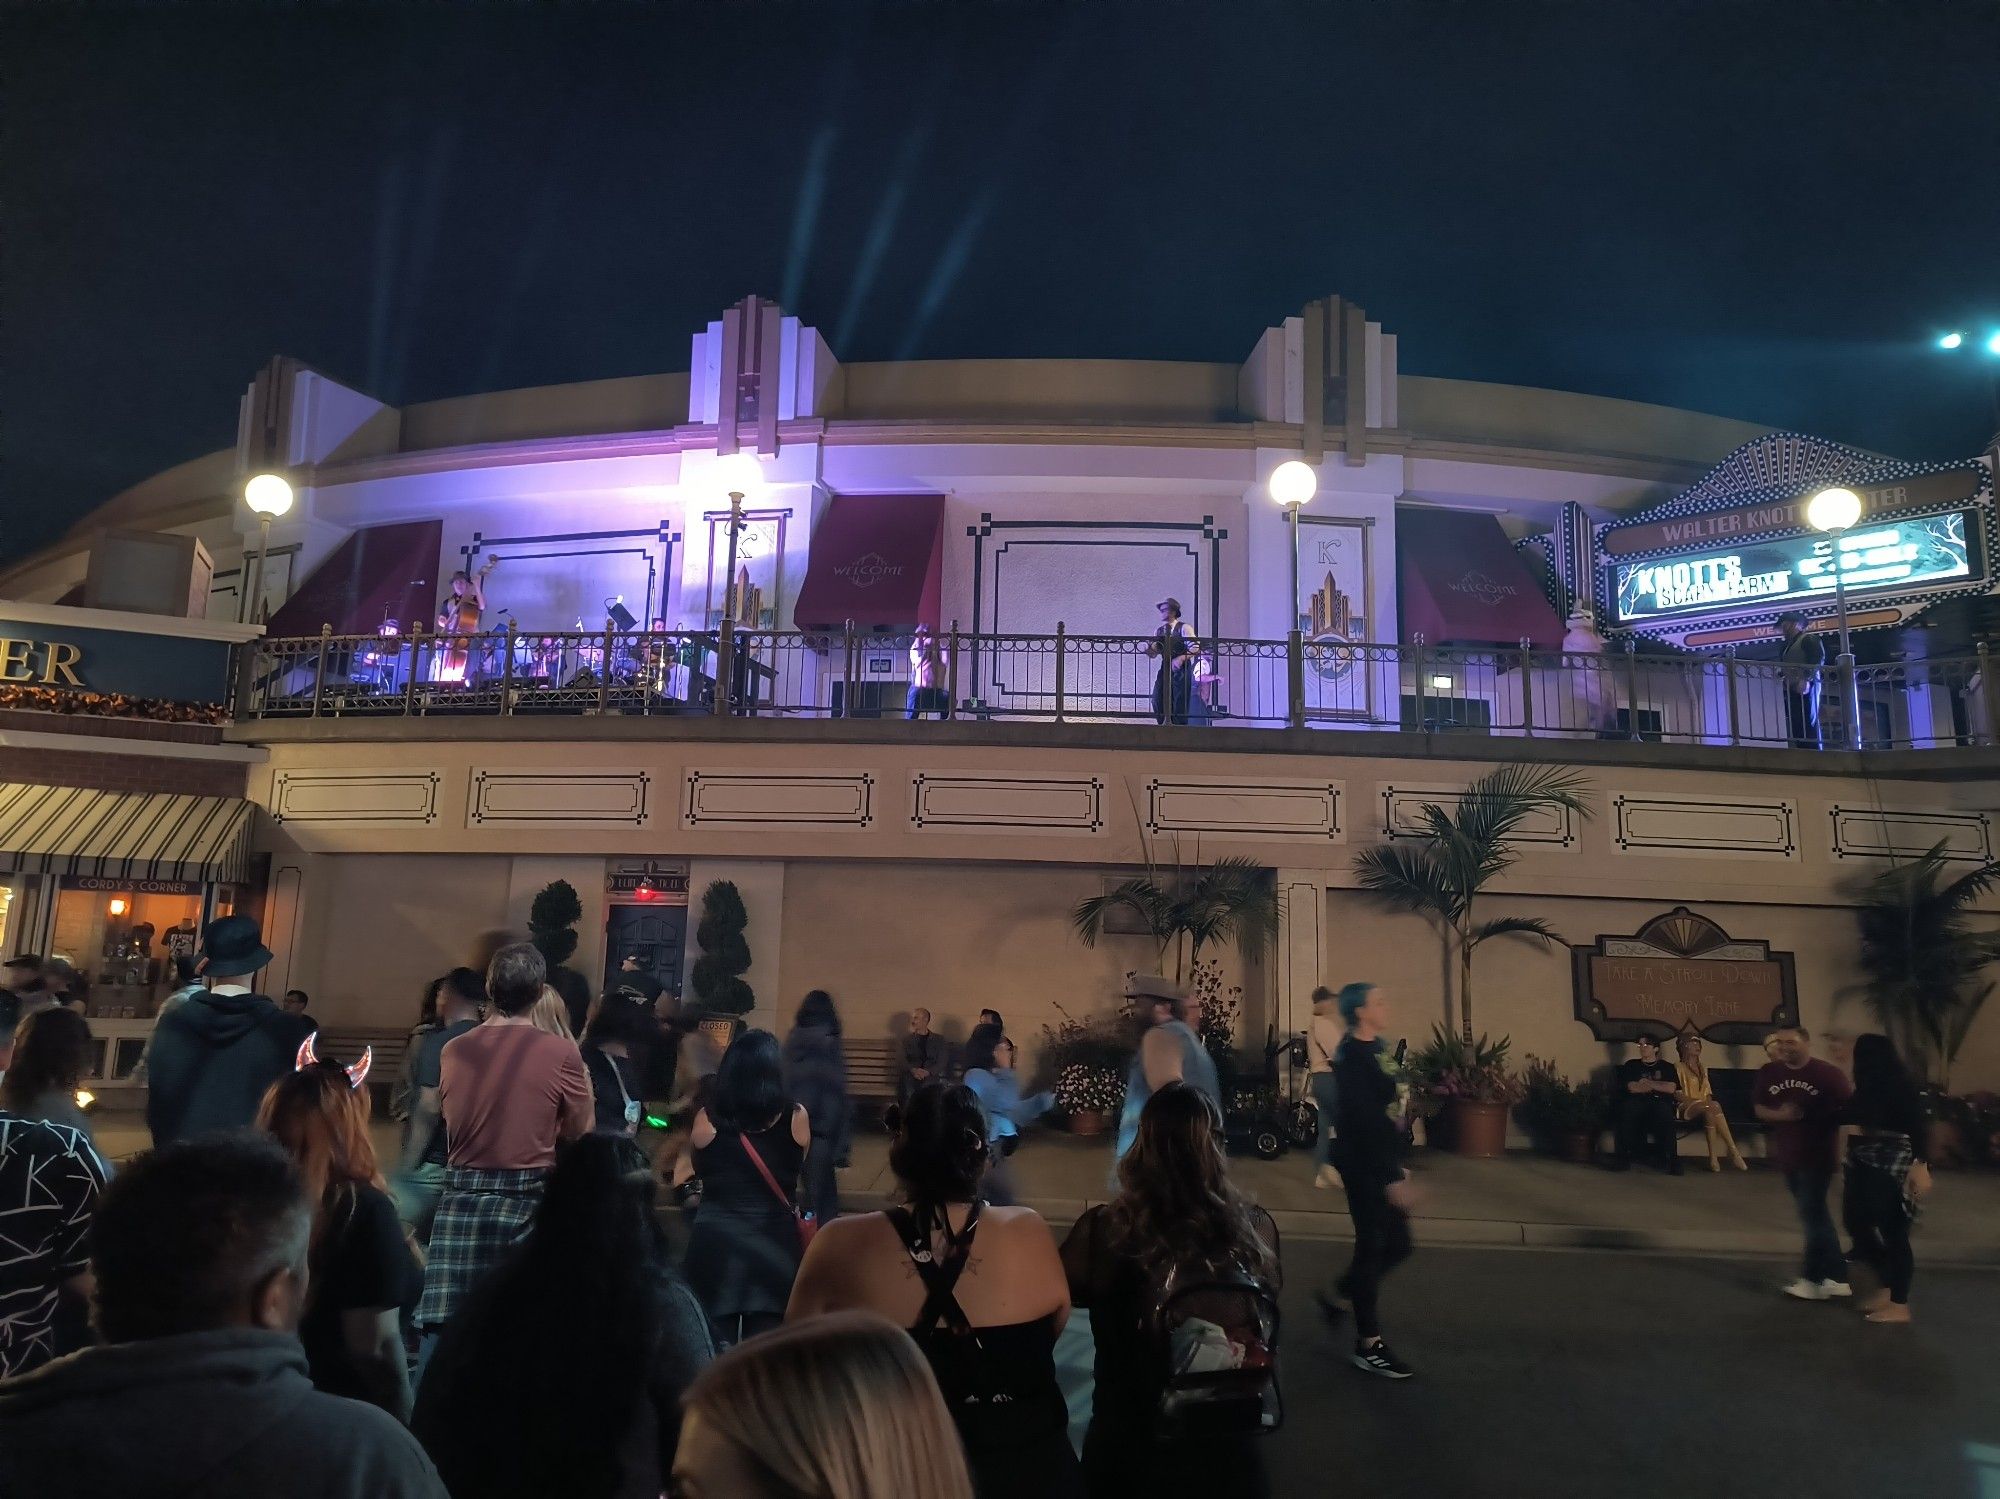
(1682, 972)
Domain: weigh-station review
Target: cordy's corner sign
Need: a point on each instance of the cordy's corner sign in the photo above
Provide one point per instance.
(1682, 972)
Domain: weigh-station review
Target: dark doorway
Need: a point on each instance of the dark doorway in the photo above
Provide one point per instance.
(653, 933)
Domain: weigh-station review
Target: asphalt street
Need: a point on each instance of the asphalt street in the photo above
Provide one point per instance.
(1578, 1373)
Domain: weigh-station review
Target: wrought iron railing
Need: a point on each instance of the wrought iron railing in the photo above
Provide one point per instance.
(1065, 678)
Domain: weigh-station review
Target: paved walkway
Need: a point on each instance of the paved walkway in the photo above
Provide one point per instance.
(1522, 1201)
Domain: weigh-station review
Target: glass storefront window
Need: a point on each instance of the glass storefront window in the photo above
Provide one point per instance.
(122, 936)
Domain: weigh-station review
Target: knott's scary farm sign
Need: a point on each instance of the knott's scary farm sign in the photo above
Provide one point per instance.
(1682, 972)
(1922, 490)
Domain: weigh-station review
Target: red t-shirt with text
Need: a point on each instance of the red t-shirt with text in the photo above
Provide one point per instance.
(1821, 1090)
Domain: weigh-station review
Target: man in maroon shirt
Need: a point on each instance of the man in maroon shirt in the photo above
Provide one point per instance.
(1801, 1097)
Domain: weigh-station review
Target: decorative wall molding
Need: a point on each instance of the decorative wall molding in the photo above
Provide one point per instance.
(355, 797)
(730, 798)
(1888, 832)
(1556, 826)
(1702, 827)
(1258, 809)
(954, 802)
(558, 798)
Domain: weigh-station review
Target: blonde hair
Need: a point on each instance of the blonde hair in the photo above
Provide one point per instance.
(837, 1407)
(550, 1014)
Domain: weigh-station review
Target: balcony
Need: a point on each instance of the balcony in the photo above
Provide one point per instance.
(1296, 695)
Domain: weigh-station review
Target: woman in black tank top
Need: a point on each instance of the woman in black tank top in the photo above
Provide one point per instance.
(998, 1379)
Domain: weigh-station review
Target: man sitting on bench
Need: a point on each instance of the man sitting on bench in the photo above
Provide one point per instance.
(924, 1056)
(1644, 1109)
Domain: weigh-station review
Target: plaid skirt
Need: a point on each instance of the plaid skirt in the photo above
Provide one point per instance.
(482, 1214)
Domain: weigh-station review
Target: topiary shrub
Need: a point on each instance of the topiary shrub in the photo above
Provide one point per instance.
(552, 922)
(724, 954)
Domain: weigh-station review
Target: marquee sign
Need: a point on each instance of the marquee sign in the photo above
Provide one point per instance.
(1953, 486)
(1682, 972)
(1894, 555)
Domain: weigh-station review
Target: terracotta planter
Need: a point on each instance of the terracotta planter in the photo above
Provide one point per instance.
(1086, 1122)
(1578, 1145)
(1947, 1143)
(1476, 1129)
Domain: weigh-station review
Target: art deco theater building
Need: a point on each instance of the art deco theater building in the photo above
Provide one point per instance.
(695, 608)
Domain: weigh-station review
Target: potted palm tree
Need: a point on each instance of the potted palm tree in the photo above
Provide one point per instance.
(1441, 873)
(1232, 899)
(1923, 967)
(1471, 1085)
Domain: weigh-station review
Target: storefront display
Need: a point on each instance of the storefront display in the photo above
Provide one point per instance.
(122, 936)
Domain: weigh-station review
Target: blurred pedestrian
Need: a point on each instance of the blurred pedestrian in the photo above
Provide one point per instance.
(215, 1053)
(1177, 1223)
(1802, 1099)
(980, 1289)
(590, 1334)
(1368, 1149)
(363, 1278)
(1323, 1034)
(990, 1075)
(456, 1000)
(508, 1093)
(816, 1078)
(748, 1144)
(1888, 1173)
(613, 1041)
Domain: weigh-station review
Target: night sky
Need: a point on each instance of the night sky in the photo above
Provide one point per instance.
(1761, 210)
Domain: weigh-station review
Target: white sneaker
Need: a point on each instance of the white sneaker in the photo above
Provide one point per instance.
(1808, 1290)
(1326, 1177)
(1835, 1288)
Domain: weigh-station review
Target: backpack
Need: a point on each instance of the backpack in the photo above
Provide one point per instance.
(1218, 1341)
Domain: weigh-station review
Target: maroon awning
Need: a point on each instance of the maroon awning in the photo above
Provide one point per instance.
(378, 573)
(1464, 584)
(876, 559)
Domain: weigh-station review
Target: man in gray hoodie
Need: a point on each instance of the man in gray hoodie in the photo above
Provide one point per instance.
(199, 1255)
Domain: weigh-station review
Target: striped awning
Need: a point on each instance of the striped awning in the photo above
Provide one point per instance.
(67, 830)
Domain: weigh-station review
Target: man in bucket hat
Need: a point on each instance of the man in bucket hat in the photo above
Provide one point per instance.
(215, 1053)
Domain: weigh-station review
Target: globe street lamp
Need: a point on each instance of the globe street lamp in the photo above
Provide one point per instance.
(1835, 511)
(1292, 484)
(268, 496)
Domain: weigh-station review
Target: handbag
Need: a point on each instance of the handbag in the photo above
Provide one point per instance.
(807, 1228)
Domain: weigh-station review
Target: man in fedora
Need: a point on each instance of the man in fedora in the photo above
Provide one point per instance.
(215, 1053)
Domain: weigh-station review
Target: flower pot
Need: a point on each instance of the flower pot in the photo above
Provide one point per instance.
(1476, 1129)
(1578, 1145)
(1086, 1122)
(1947, 1143)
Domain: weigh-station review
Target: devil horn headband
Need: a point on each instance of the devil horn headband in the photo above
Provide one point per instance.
(356, 1075)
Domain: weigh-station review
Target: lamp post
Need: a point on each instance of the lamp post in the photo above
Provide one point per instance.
(268, 496)
(736, 474)
(1292, 484)
(1834, 511)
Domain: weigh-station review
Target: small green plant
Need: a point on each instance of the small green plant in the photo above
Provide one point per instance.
(552, 922)
(1551, 1104)
(725, 956)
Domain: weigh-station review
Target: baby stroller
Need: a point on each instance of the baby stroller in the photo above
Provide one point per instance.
(1254, 1116)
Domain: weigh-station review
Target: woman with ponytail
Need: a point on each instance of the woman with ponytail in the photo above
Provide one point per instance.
(981, 1290)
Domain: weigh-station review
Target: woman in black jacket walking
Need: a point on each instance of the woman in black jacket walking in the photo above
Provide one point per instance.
(1368, 1152)
(815, 1071)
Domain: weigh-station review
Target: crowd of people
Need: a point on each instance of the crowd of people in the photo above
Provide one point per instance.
(257, 1307)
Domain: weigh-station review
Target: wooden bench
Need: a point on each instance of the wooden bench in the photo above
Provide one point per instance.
(1731, 1087)
(346, 1044)
(873, 1070)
